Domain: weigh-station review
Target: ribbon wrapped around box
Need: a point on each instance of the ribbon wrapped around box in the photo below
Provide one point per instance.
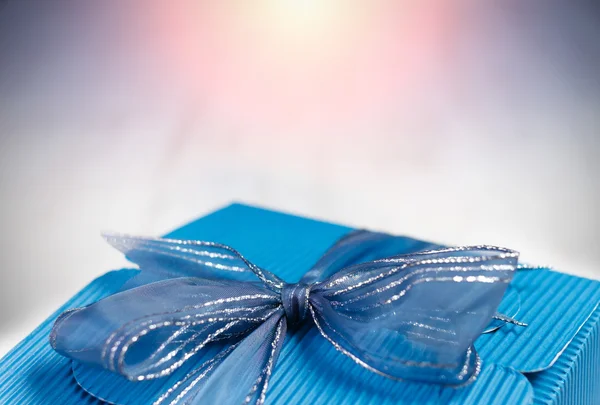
(164, 336)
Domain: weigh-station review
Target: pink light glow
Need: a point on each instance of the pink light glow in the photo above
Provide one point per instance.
(294, 63)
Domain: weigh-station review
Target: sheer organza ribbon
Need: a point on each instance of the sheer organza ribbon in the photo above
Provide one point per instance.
(201, 312)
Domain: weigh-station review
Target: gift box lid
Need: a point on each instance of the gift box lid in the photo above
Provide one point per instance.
(556, 307)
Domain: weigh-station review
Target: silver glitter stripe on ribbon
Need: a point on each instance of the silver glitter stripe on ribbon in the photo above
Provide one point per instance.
(411, 273)
(126, 244)
(412, 263)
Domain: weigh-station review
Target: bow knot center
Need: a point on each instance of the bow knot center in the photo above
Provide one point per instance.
(294, 298)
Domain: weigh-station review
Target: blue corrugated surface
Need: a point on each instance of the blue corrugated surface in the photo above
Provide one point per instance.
(309, 369)
(575, 377)
(555, 306)
(32, 373)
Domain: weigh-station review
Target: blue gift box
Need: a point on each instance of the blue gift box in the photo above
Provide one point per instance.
(554, 360)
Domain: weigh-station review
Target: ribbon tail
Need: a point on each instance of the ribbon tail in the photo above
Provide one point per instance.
(239, 375)
(183, 389)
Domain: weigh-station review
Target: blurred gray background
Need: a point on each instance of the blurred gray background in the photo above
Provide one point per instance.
(476, 122)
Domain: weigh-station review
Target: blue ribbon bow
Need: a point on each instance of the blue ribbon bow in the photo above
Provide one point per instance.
(197, 316)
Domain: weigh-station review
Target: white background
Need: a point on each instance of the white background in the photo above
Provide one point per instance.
(496, 143)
